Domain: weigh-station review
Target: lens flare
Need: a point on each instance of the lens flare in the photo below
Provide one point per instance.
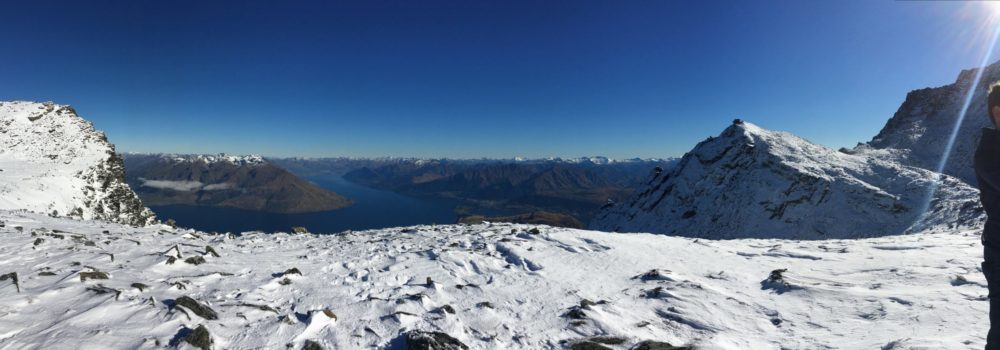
(920, 224)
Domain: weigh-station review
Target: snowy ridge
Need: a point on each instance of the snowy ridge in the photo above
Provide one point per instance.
(54, 162)
(497, 286)
(752, 182)
(917, 133)
(239, 160)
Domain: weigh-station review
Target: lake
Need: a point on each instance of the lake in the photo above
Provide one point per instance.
(372, 208)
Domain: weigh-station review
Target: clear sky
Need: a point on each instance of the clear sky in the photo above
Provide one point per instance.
(476, 79)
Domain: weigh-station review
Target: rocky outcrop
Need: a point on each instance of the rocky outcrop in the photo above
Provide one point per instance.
(55, 162)
(918, 133)
(752, 182)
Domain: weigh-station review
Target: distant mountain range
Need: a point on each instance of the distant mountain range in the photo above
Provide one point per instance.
(507, 188)
(244, 182)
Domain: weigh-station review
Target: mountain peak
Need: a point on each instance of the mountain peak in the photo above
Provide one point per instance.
(53, 161)
(754, 182)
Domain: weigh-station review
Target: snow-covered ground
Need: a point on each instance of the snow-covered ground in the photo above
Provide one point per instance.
(490, 286)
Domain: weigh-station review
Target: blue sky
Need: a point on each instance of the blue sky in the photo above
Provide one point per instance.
(478, 78)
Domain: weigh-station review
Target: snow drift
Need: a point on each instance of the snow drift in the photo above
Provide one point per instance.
(85, 284)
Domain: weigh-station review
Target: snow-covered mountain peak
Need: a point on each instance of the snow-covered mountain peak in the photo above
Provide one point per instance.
(238, 160)
(54, 162)
(753, 182)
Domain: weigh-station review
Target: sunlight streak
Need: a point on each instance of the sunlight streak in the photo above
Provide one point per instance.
(958, 123)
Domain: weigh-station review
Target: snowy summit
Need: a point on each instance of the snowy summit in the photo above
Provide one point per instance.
(752, 182)
(54, 162)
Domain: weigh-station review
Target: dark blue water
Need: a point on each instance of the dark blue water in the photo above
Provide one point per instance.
(372, 208)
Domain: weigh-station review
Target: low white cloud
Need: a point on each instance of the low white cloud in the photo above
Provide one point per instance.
(182, 186)
(218, 186)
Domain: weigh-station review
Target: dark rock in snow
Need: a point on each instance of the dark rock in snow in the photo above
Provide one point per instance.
(418, 340)
(311, 345)
(13, 278)
(199, 309)
(575, 313)
(588, 345)
(776, 281)
(446, 308)
(92, 275)
(657, 345)
(608, 340)
(199, 338)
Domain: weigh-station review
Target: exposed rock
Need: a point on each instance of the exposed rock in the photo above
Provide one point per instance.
(419, 340)
(329, 314)
(195, 260)
(101, 289)
(656, 345)
(918, 132)
(200, 338)
(776, 281)
(588, 345)
(93, 275)
(576, 313)
(311, 345)
(12, 276)
(608, 340)
(446, 309)
(199, 309)
(210, 250)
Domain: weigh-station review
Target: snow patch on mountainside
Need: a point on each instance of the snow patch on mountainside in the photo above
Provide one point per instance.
(752, 182)
(54, 162)
(86, 284)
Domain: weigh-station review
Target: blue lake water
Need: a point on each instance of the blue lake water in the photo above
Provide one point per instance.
(372, 208)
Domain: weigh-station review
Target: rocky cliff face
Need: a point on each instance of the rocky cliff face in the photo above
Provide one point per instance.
(53, 161)
(751, 182)
(919, 131)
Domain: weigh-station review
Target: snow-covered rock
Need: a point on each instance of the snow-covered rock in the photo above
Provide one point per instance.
(499, 286)
(752, 182)
(918, 133)
(54, 162)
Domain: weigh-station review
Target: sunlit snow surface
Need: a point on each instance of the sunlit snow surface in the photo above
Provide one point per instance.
(898, 292)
